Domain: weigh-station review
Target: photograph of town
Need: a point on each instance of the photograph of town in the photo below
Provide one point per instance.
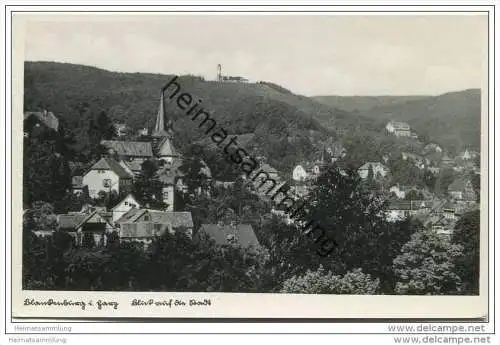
(253, 154)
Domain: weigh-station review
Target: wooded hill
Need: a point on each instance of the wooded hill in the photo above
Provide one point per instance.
(286, 127)
(451, 119)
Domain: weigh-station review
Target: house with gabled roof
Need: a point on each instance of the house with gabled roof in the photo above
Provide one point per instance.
(40, 118)
(446, 160)
(441, 225)
(462, 189)
(125, 205)
(432, 148)
(85, 228)
(401, 191)
(379, 170)
(398, 210)
(144, 225)
(241, 235)
(418, 160)
(299, 174)
(107, 175)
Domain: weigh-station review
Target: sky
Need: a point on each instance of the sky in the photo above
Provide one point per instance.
(308, 54)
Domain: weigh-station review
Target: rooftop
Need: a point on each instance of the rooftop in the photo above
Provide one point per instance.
(47, 118)
(129, 148)
(176, 219)
(107, 163)
(243, 234)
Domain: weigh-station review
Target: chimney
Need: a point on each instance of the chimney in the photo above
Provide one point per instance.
(44, 112)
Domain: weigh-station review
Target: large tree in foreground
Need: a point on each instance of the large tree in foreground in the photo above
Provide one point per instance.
(355, 218)
(426, 266)
(466, 233)
(321, 282)
(46, 173)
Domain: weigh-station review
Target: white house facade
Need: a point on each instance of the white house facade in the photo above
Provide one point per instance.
(106, 175)
(299, 173)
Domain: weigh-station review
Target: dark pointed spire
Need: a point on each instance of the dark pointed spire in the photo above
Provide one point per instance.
(162, 127)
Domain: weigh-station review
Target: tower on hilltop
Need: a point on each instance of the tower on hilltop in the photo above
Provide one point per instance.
(219, 72)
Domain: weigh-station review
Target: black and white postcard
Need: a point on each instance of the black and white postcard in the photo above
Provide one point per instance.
(250, 165)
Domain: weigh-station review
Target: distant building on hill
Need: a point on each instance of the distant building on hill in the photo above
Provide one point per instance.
(228, 78)
(234, 79)
(399, 129)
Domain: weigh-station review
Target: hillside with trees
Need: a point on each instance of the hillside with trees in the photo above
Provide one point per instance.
(76, 93)
(453, 120)
(363, 103)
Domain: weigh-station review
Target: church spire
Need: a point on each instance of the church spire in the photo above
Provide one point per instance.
(162, 127)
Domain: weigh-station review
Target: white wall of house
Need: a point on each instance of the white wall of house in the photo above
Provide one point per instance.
(168, 197)
(299, 173)
(363, 173)
(399, 193)
(457, 194)
(378, 171)
(97, 180)
(395, 215)
(402, 133)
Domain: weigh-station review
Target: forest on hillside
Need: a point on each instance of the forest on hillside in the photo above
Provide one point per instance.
(453, 120)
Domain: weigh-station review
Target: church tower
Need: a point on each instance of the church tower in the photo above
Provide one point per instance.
(166, 153)
(163, 135)
(163, 127)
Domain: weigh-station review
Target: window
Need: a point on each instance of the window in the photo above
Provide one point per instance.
(146, 218)
(126, 203)
(165, 194)
(156, 229)
(106, 183)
